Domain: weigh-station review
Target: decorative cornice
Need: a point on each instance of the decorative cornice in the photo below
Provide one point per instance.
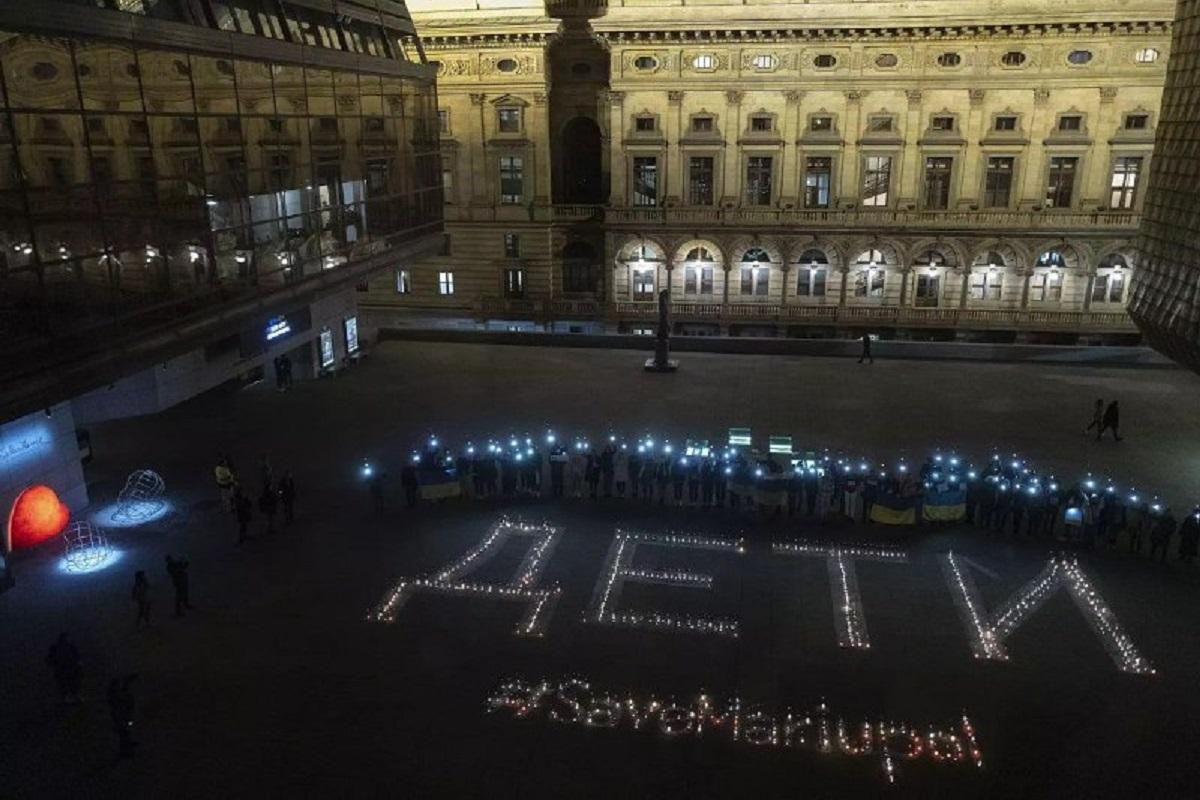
(734, 97)
(675, 97)
(793, 95)
(1108, 94)
(972, 33)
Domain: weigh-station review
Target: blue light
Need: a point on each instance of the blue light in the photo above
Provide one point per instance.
(758, 473)
(641, 448)
(729, 470)
(109, 516)
(954, 462)
(549, 438)
(971, 475)
(84, 564)
(666, 448)
(470, 450)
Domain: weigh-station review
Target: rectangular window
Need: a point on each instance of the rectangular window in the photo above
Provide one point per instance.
(702, 124)
(644, 124)
(877, 179)
(643, 283)
(512, 180)
(869, 283)
(758, 180)
(403, 281)
(1137, 122)
(820, 123)
(1070, 122)
(645, 181)
(1116, 287)
(879, 125)
(700, 181)
(1124, 182)
(512, 245)
(1099, 288)
(446, 283)
(997, 183)
(937, 182)
(1005, 122)
(514, 282)
(697, 279)
(444, 120)
(762, 124)
(810, 282)
(1060, 182)
(1045, 286)
(986, 284)
(508, 120)
(756, 280)
(927, 290)
(942, 124)
(818, 178)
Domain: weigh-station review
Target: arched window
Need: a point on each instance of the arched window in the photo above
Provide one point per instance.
(756, 272)
(812, 272)
(1109, 283)
(870, 276)
(1052, 258)
(1046, 282)
(930, 258)
(987, 278)
(643, 261)
(698, 271)
(929, 278)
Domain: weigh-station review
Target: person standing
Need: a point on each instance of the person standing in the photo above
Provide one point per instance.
(287, 496)
(866, 348)
(1189, 536)
(1097, 417)
(63, 660)
(1160, 536)
(558, 465)
(1112, 419)
(621, 470)
(244, 509)
(268, 504)
(177, 569)
(226, 483)
(141, 596)
(120, 709)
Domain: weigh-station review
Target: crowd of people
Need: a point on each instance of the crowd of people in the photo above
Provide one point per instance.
(1003, 494)
(273, 495)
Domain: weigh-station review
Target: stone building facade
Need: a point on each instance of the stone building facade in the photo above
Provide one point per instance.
(928, 169)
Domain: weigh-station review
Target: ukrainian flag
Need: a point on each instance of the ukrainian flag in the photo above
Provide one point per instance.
(438, 484)
(945, 502)
(892, 509)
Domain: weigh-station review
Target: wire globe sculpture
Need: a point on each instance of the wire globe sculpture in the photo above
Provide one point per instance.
(141, 499)
(87, 548)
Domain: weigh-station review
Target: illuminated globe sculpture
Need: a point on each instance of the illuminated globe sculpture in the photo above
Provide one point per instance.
(141, 499)
(87, 548)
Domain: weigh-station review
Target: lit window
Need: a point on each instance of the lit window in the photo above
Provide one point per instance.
(1146, 55)
(811, 274)
(514, 282)
(1060, 182)
(987, 284)
(704, 61)
(508, 120)
(1045, 286)
(818, 178)
(445, 283)
(1125, 173)
(642, 280)
(645, 181)
(756, 272)
(820, 123)
(870, 276)
(698, 272)
(512, 245)
(512, 182)
(763, 61)
(403, 282)
(877, 180)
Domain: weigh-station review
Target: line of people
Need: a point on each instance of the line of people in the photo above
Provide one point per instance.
(274, 496)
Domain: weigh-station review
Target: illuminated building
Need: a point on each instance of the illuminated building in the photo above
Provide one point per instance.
(950, 170)
(190, 189)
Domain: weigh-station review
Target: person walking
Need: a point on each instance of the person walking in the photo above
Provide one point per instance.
(244, 510)
(120, 709)
(63, 660)
(1189, 536)
(1097, 418)
(866, 348)
(287, 496)
(1160, 536)
(177, 569)
(268, 504)
(141, 596)
(1111, 419)
(223, 474)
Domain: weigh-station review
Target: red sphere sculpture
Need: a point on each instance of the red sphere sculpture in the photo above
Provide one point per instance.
(36, 516)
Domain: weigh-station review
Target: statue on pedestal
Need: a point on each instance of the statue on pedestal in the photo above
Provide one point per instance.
(662, 362)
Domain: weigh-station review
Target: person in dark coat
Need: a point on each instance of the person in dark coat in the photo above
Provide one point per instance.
(558, 465)
(244, 510)
(1189, 536)
(1160, 536)
(177, 569)
(268, 503)
(120, 709)
(63, 660)
(1097, 422)
(287, 496)
(866, 349)
(1112, 420)
(408, 480)
(141, 596)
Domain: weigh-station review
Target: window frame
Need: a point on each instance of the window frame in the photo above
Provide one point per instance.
(810, 189)
(446, 283)
(759, 180)
(868, 171)
(512, 171)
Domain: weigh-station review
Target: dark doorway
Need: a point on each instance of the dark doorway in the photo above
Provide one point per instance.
(581, 268)
(582, 152)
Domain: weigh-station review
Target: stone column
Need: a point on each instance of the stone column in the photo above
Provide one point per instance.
(540, 137)
(845, 270)
(905, 279)
(480, 188)
(1087, 292)
(784, 269)
(673, 183)
(789, 187)
(725, 287)
(1095, 189)
(851, 128)
(966, 288)
(1027, 277)
(618, 167)
(1033, 190)
(905, 184)
(731, 186)
(972, 159)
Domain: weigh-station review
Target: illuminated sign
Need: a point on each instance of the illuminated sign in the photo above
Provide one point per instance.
(351, 326)
(276, 327)
(327, 357)
(739, 437)
(780, 444)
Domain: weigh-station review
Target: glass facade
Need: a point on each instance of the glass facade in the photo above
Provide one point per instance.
(134, 178)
